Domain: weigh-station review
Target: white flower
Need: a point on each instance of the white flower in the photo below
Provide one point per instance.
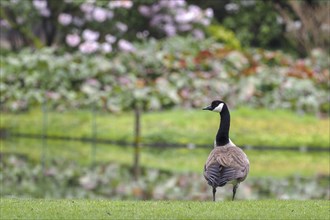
(100, 14)
(89, 47)
(293, 26)
(4, 23)
(172, 3)
(205, 21)
(248, 3)
(184, 18)
(170, 30)
(90, 35)
(106, 47)
(209, 12)
(124, 45)
(142, 35)
(156, 20)
(65, 19)
(121, 27)
(184, 27)
(14, 1)
(110, 14)
(198, 34)
(232, 7)
(78, 22)
(40, 4)
(86, 7)
(120, 4)
(45, 12)
(72, 40)
(144, 10)
(110, 39)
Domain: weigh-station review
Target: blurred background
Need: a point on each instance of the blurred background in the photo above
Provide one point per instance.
(103, 99)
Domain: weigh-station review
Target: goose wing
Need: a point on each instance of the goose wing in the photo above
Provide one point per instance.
(231, 156)
(225, 164)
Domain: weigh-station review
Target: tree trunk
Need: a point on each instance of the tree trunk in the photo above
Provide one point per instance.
(137, 141)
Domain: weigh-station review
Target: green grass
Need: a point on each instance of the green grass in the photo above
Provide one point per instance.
(263, 163)
(254, 127)
(103, 209)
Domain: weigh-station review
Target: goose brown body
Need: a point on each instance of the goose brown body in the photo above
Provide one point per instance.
(226, 163)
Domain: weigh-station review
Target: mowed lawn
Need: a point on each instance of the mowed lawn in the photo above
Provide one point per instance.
(106, 209)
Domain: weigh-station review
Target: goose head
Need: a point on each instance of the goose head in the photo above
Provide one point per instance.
(216, 106)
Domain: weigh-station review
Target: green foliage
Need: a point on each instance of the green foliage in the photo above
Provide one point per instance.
(224, 35)
(162, 74)
(103, 209)
(256, 25)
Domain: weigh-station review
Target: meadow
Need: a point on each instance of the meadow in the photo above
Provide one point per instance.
(249, 127)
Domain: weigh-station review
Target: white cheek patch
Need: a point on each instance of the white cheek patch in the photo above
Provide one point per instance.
(218, 108)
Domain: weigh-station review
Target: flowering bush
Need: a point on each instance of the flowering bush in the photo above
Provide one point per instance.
(100, 26)
(162, 74)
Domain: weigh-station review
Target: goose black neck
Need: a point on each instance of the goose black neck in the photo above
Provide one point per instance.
(222, 137)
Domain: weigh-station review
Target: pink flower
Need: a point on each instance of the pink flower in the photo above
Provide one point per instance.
(65, 19)
(90, 35)
(124, 45)
(88, 47)
(72, 40)
(100, 14)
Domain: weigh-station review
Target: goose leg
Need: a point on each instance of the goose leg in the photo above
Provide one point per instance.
(214, 191)
(234, 191)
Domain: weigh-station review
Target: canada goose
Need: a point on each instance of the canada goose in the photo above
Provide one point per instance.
(226, 163)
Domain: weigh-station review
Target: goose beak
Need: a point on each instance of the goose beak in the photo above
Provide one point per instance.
(208, 108)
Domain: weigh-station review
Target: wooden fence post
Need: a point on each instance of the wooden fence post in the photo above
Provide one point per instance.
(137, 141)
